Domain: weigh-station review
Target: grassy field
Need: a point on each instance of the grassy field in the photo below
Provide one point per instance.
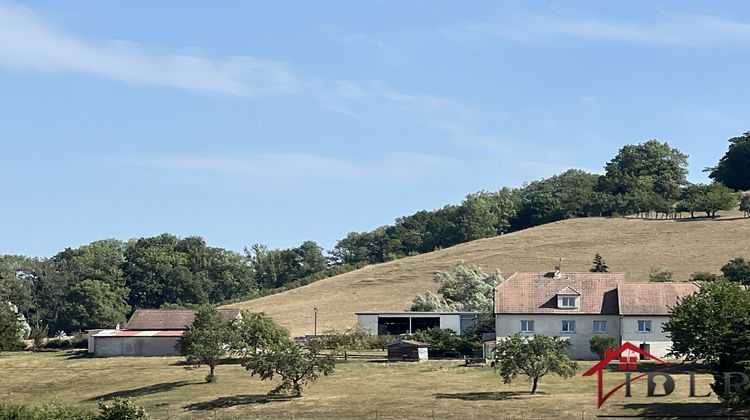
(632, 246)
(363, 388)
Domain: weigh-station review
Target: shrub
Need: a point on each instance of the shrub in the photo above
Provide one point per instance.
(80, 341)
(660, 275)
(49, 411)
(122, 409)
(600, 343)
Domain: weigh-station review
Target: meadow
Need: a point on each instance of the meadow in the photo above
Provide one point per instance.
(365, 387)
(629, 245)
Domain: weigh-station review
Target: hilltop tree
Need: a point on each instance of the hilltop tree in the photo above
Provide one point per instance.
(569, 194)
(737, 270)
(517, 355)
(665, 166)
(206, 340)
(732, 169)
(466, 289)
(598, 265)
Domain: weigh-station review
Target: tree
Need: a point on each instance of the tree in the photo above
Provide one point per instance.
(295, 364)
(600, 343)
(717, 197)
(712, 327)
(745, 205)
(732, 169)
(665, 166)
(255, 332)
(122, 409)
(704, 276)
(737, 270)
(533, 358)
(466, 289)
(10, 327)
(205, 341)
(598, 265)
(569, 194)
(341, 342)
(95, 304)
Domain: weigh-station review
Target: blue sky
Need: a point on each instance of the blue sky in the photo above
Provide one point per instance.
(277, 122)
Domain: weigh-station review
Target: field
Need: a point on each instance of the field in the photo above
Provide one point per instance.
(362, 388)
(629, 245)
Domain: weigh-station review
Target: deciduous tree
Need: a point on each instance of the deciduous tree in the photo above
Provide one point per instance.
(732, 169)
(95, 304)
(533, 358)
(466, 289)
(205, 342)
(737, 270)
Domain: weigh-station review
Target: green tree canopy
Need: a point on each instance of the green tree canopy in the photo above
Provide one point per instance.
(533, 358)
(10, 327)
(733, 169)
(254, 333)
(95, 304)
(665, 166)
(737, 270)
(205, 341)
(293, 363)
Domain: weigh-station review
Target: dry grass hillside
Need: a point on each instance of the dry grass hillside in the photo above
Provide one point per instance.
(633, 246)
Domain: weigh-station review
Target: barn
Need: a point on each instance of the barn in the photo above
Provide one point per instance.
(149, 332)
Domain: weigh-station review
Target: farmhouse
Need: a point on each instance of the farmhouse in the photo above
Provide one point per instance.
(149, 332)
(578, 306)
(397, 323)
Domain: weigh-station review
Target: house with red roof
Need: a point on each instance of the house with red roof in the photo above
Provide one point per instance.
(579, 306)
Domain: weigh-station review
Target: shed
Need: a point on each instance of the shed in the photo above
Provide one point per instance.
(407, 350)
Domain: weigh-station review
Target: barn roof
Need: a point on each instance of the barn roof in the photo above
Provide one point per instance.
(169, 319)
(532, 293)
(652, 298)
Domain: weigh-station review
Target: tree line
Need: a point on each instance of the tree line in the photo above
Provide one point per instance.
(98, 284)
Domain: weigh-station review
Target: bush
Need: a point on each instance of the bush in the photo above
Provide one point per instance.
(59, 344)
(80, 341)
(600, 343)
(660, 275)
(122, 409)
(50, 411)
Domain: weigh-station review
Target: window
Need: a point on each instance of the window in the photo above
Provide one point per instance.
(567, 301)
(600, 326)
(644, 326)
(569, 326)
(527, 326)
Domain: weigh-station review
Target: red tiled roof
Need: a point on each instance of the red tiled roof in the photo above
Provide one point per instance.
(528, 293)
(651, 298)
(169, 319)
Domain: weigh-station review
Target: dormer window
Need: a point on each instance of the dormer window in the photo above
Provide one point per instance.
(568, 298)
(567, 301)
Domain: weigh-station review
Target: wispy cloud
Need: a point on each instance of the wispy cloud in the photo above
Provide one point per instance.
(28, 42)
(670, 29)
(295, 167)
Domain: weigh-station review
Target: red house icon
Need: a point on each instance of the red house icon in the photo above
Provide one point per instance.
(626, 363)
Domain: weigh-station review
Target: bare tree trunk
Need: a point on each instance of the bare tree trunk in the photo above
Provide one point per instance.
(534, 385)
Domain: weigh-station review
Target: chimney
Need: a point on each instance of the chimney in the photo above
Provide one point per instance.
(558, 268)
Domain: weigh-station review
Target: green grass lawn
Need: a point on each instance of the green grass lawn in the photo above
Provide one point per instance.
(360, 388)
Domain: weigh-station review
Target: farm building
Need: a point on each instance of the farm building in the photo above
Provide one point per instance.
(397, 323)
(149, 332)
(407, 350)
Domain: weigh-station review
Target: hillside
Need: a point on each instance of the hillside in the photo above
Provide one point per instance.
(632, 246)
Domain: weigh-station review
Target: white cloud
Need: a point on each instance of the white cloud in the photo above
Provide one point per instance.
(27, 42)
(670, 29)
(298, 167)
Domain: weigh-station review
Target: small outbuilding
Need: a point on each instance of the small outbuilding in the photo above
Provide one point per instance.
(149, 332)
(407, 350)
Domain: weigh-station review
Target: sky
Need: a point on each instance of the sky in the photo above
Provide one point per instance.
(281, 121)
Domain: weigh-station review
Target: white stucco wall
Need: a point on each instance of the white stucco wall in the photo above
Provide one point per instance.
(551, 325)
(657, 339)
(369, 322)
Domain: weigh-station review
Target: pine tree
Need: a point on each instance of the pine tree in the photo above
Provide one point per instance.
(598, 265)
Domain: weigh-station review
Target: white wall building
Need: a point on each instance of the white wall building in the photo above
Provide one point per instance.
(578, 306)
